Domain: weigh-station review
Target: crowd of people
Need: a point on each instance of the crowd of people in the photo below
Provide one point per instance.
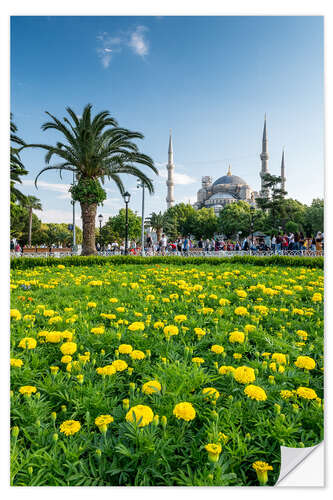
(279, 244)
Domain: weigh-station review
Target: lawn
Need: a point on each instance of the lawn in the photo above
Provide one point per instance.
(163, 374)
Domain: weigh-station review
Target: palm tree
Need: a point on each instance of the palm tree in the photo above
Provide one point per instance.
(31, 203)
(95, 148)
(156, 221)
(16, 166)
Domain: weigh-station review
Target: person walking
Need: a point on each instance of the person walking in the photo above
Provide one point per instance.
(318, 243)
(163, 244)
(186, 245)
(273, 243)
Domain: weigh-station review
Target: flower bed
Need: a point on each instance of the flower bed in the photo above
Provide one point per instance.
(155, 374)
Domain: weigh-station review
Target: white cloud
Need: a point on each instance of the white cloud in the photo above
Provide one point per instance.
(179, 178)
(60, 216)
(48, 186)
(108, 45)
(138, 42)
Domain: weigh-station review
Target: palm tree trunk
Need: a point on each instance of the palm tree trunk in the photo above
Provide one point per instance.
(30, 226)
(158, 234)
(88, 228)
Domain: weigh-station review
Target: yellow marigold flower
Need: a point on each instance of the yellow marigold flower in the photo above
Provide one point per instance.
(27, 343)
(249, 328)
(217, 349)
(66, 334)
(214, 451)
(29, 317)
(28, 390)
(54, 369)
(317, 297)
(198, 361)
(223, 437)
(261, 469)
(199, 332)
(244, 375)
(113, 300)
(53, 337)
(279, 358)
(285, 394)
(255, 392)
(223, 370)
(224, 302)
(17, 363)
(137, 355)
(103, 421)
(55, 319)
(48, 312)
(98, 330)
(170, 330)
(305, 362)
(66, 359)
(237, 355)
(184, 411)
(266, 354)
(136, 326)
(70, 427)
(119, 365)
(80, 378)
(302, 334)
(106, 370)
(236, 336)
(68, 309)
(180, 318)
(158, 324)
(68, 348)
(241, 311)
(95, 283)
(91, 304)
(140, 414)
(15, 314)
(207, 310)
(125, 348)
(151, 387)
(306, 393)
(241, 293)
(211, 393)
(120, 309)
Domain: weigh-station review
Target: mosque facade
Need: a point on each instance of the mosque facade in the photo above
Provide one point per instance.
(229, 188)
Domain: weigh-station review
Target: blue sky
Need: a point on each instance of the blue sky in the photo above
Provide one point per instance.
(209, 79)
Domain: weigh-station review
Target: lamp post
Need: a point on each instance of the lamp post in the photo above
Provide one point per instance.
(127, 198)
(74, 231)
(100, 219)
(140, 183)
(252, 210)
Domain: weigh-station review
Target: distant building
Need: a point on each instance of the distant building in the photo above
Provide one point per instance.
(230, 188)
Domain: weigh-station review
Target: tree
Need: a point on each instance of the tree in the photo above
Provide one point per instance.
(31, 203)
(156, 222)
(17, 168)
(206, 223)
(273, 201)
(236, 217)
(176, 219)
(293, 211)
(115, 226)
(95, 149)
(314, 217)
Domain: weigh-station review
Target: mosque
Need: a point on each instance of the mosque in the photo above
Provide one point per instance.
(226, 189)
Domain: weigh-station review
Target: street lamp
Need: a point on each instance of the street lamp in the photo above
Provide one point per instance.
(252, 210)
(140, 183)
(100, 219)
(127, 198)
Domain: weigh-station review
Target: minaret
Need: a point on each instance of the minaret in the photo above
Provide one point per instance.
(264, 158)
(170, 183)
(283, 173)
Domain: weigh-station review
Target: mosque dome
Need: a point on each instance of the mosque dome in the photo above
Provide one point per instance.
(229, 179)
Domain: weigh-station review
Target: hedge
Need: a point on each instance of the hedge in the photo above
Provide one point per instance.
(276, 260)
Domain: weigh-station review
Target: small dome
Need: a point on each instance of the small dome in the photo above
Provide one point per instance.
(229, 179)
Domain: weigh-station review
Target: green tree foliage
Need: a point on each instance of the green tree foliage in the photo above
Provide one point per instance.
(157, 222)
(273, 202)
(201, 223)
(314, 217)
(176, 223)
(114, 229)
(236, 217)
(31, 203)
(17, 168)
